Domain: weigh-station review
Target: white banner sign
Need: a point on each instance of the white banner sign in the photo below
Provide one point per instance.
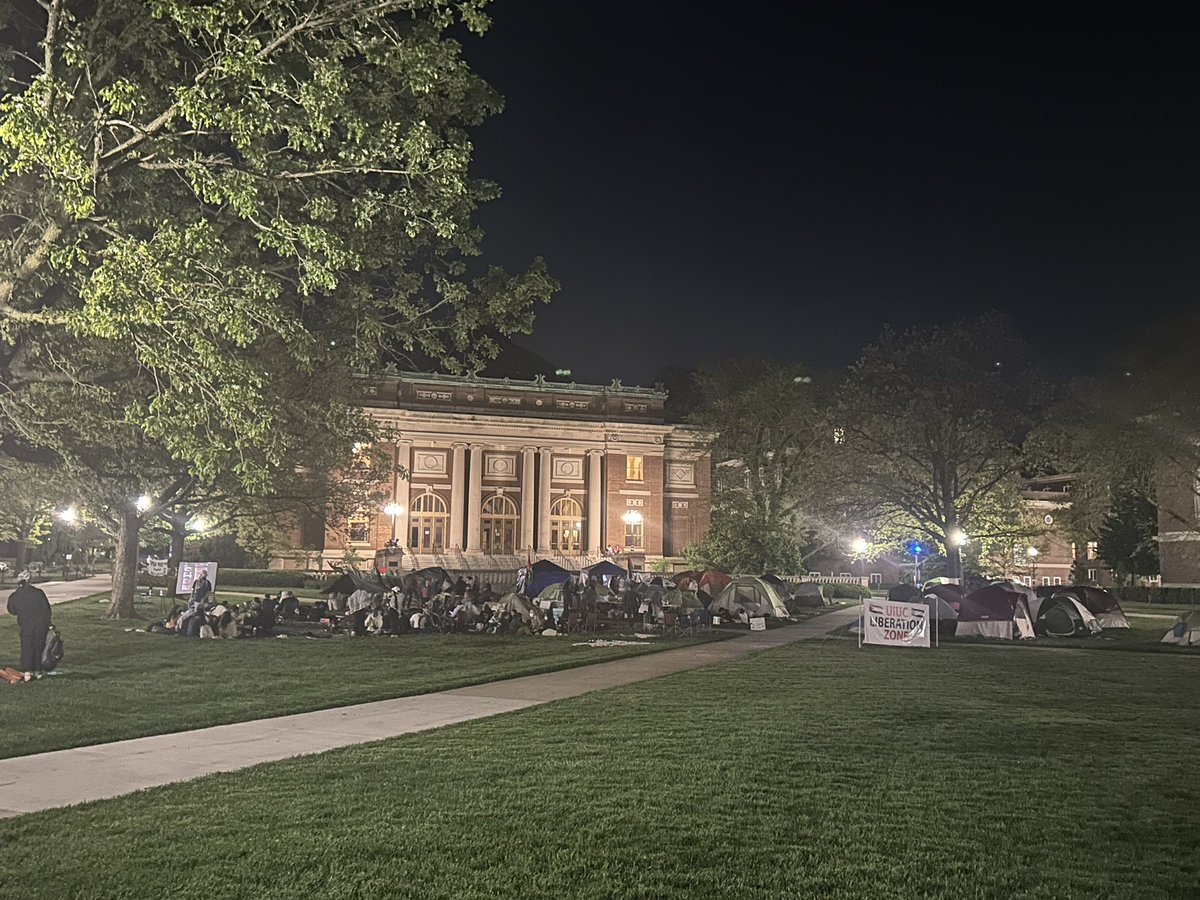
(895, 624)
(156, 567)
(190, 571)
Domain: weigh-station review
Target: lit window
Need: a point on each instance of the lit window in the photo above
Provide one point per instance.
(633, 468)
(1057, 580)
(566, 525)
(1045, 581)
(359, 531)
(428, 524)
(1092, 549)
(1091, 574)
(633, 530)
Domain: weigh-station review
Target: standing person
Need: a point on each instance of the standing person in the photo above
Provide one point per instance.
(32, 609)
(201, 588)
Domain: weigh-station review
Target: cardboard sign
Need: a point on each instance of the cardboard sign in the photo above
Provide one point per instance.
(758, 623)
(190, 571)
(156, 567)
(895, 624)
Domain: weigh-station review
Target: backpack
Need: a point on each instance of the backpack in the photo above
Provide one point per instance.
(54, 651)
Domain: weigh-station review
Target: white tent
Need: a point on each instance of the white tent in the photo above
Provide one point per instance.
(750, 595)
(994, 612)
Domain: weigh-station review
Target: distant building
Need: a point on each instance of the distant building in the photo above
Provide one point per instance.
(505, 470)
(1177, 489)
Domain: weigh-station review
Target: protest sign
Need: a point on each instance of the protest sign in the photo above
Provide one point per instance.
(895, 624)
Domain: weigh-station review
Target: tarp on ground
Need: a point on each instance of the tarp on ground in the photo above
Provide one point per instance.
(542, 574)
(709, 580)
(1099, 602)
(750, 595)
(604, 569)
(352, 580)
(435, 574)
(994, 612)
(1064, 616)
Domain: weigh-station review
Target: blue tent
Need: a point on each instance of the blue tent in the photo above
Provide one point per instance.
(605, 569)
(542, 574)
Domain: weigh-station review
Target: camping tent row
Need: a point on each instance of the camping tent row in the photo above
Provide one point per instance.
(750, 597)
(1006, 610)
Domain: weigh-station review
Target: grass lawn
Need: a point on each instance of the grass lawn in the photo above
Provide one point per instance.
(817, 770)
(118, 685)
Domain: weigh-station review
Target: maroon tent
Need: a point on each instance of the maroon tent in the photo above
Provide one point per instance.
(708, 580)
(993, 611)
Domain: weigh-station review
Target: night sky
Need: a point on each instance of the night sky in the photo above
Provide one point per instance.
(785, 181)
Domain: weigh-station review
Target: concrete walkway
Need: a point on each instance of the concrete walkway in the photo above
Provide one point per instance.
(66, 777)
(64, 591)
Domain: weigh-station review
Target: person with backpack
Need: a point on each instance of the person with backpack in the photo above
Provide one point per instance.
(32, 609)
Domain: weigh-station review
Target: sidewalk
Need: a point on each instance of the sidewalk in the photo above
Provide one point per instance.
(64, 591)
(66, 777)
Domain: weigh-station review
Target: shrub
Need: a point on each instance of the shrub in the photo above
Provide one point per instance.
(840, 591)
(1169, 596)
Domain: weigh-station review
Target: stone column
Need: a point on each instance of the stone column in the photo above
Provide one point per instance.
(454, 542)
(475, 497)
(543, 502)
(594, 504)
(527, 491)
(402, 494)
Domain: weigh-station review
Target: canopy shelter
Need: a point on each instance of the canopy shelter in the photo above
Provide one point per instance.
(352, 580)
(994, 612)
(807, 593)
(1099, 602)
(751, 596)
(943, 600)
(542, 574)
(604, 569)
(709, 580)
(1064, 616)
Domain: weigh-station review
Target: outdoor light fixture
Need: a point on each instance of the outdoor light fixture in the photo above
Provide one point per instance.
(393, 509)
(198, 524)
(68, 515)
(860, 545)
(1031, 551)
(958, 537)
(631, 517)
(143, 503)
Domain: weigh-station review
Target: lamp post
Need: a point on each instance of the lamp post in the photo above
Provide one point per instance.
(1032, 554)
(860, 547)
(393, 510)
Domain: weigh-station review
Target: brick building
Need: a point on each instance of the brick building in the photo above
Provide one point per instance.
(503, 470)
(1177, 490)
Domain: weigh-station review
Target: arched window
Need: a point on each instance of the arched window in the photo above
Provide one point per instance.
(428, 524)
(498, 526)
(566, 524)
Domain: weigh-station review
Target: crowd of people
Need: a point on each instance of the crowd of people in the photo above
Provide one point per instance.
(418, 603)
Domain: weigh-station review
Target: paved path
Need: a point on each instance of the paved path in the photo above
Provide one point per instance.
(62, 591)
(65, 777)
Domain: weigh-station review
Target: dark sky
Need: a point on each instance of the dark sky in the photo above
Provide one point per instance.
(785, 181)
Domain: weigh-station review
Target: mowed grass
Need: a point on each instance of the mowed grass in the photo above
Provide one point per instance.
(817, 770)
(117, 684)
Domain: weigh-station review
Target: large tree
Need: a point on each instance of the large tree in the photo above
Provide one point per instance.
(200, 204)
(28, 494)
(928, 427)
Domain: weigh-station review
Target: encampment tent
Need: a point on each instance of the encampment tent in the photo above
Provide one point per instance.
(807, 593)
(943, 600)
(749, 595)
(1064, 616)
(519, 606)
(994, 612)
(436, 575)
(603, 569)
(904, 593)
(542, 574)
(709, 580)
(683, 600)
(1098, 602)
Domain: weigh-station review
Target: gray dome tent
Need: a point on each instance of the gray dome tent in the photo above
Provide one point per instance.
(1064, 616)
(749, 595)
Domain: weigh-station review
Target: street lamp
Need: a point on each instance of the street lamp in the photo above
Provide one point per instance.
(198, 525)
(393, 509)
(143, 503)
(860, 546)
(1032, 553)
(68, 516)
(958, 537)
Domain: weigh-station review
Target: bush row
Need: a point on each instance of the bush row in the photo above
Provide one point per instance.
(1170, 596)
(842, 591)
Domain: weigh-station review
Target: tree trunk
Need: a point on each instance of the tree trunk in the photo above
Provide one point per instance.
(178, 536)
(954, 561)
(124, 578)
(22, 554)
